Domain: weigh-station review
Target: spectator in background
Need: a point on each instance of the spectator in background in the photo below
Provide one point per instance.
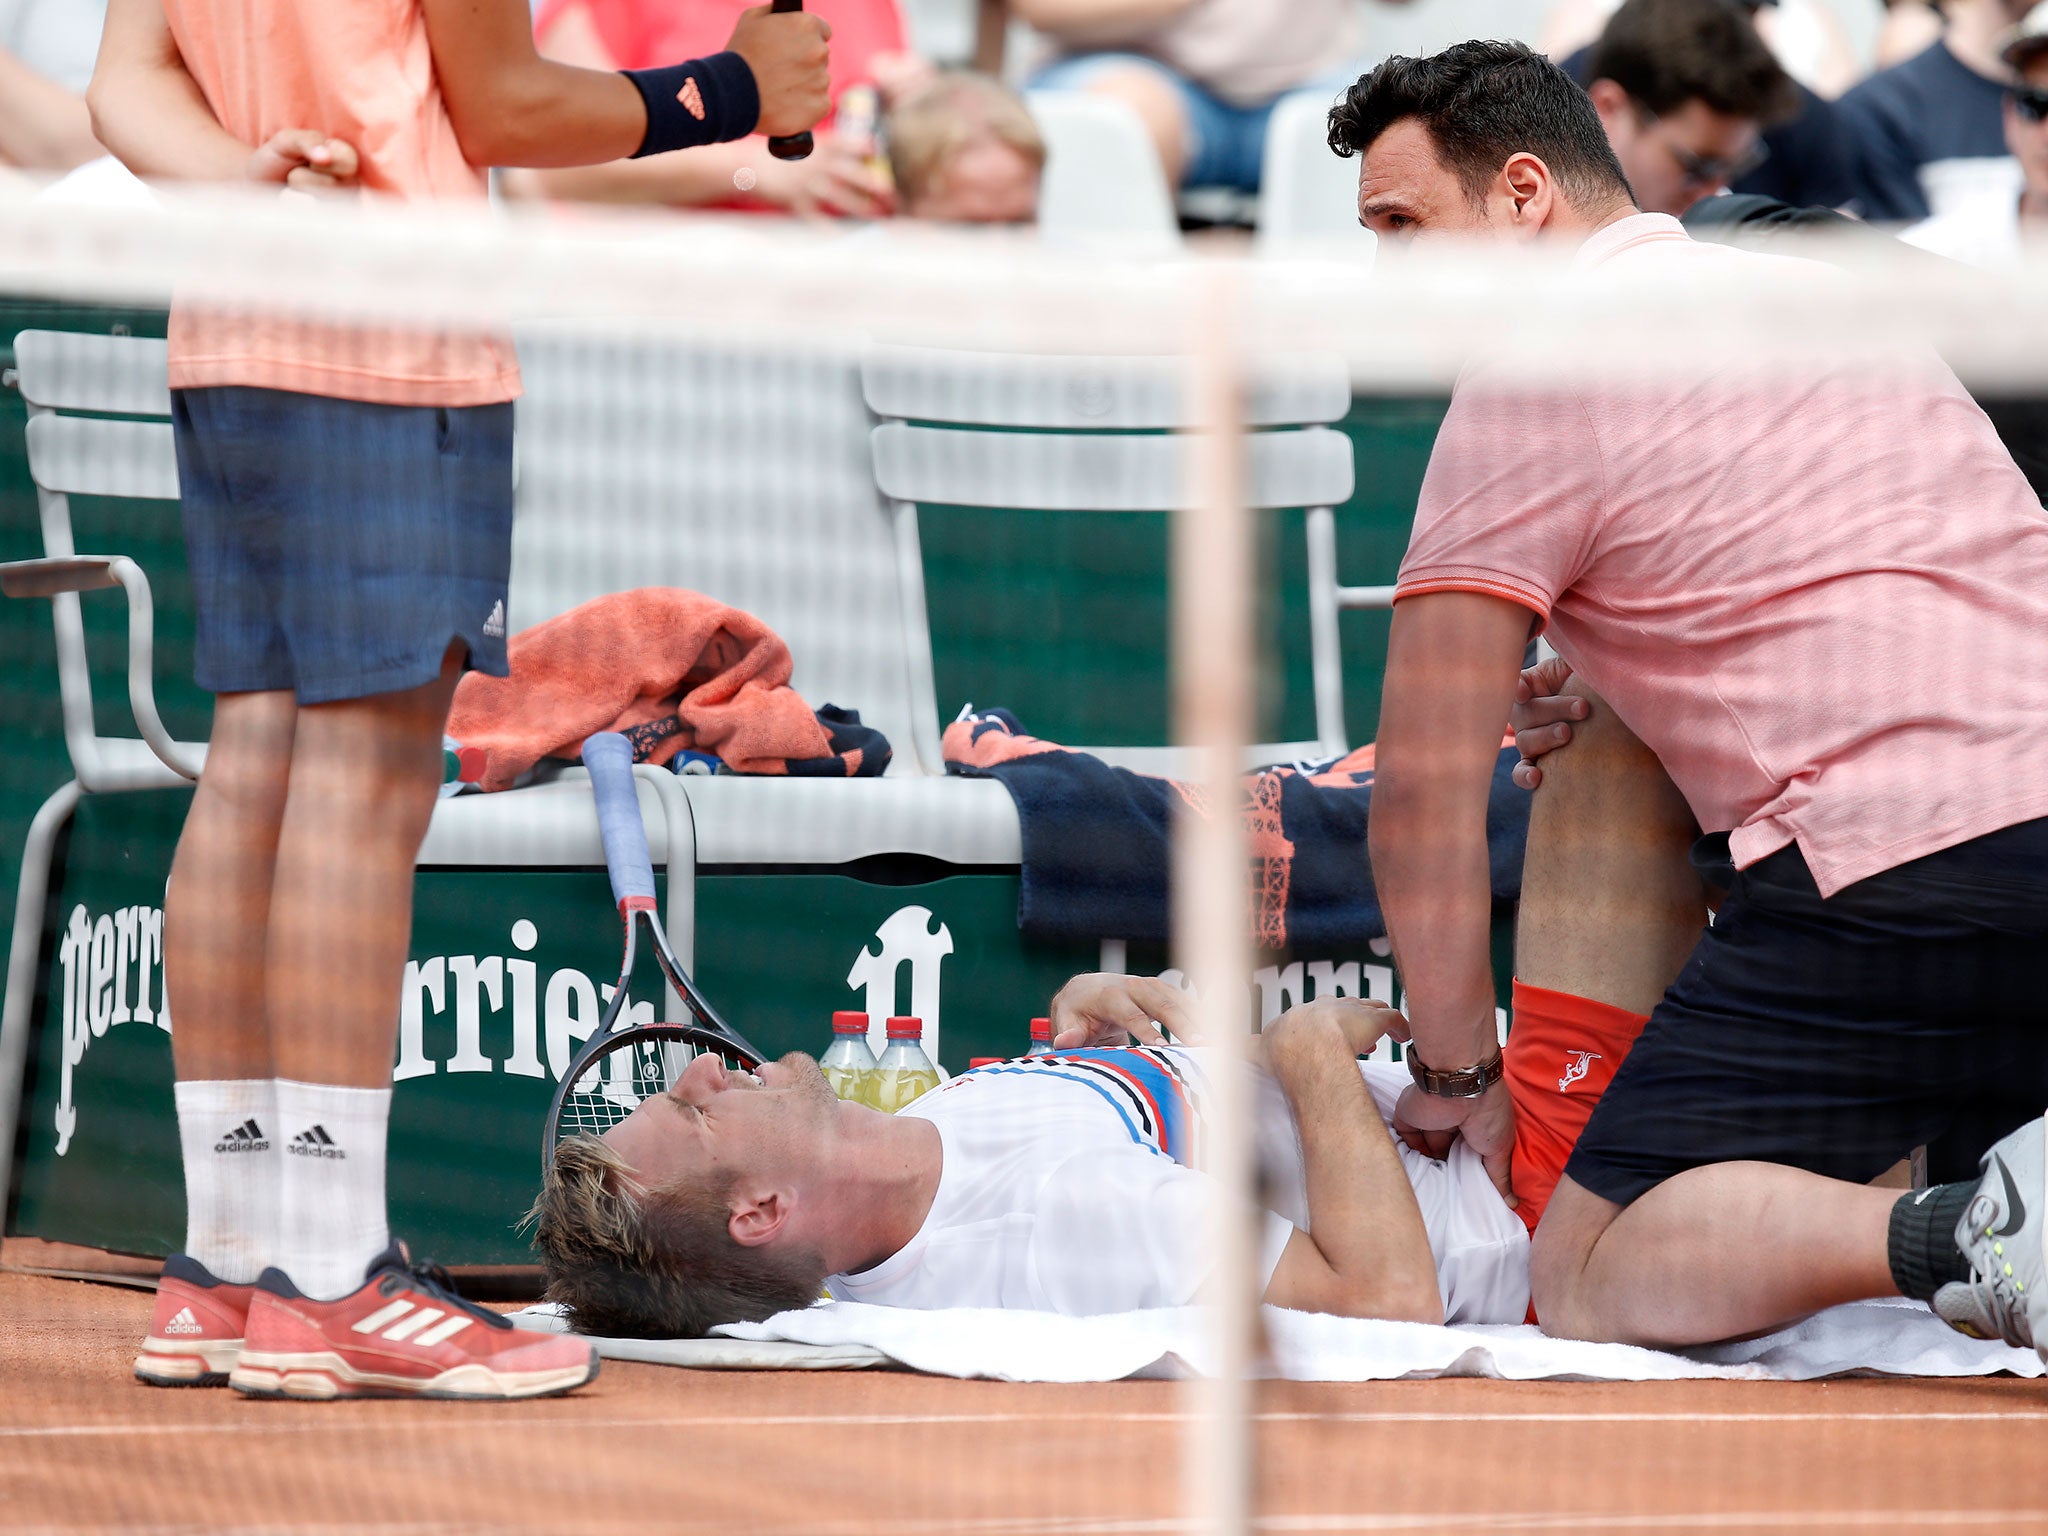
(840, 179)
(46, 54)
(1805, 36)
(1684, 89)
(1927, 136)
(1202, 75)
(1806, 159)
(963, 149)
(1993, 231)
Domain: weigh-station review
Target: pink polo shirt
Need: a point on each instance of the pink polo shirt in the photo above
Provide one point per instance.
(358, 70)
(1820, 597)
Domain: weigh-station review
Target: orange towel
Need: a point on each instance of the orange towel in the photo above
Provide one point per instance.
(671, 669)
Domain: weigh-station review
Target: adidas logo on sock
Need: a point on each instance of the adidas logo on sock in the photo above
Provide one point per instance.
(184, 1322)
(246, 1137)
(494, 626)
(314, 1143)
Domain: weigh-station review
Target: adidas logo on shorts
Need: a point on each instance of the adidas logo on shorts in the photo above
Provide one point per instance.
(246, 1137)
(494, 626)
(184, 1322)
(314, 1143)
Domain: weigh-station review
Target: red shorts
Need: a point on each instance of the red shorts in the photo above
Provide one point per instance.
(1561, 1054)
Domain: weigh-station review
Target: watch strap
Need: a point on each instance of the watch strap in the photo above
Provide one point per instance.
(1463, 1083)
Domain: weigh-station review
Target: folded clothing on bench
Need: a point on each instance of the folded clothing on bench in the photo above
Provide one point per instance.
(1097, 839)
(1893, 1338)
(675, 671)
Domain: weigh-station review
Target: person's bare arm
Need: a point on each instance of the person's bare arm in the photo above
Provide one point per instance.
(146, 108)
(43, 127)
(511, 106)
(834, 179)
(1366, 1253)
(149, 113)
(1452, 663)
(1079, 15)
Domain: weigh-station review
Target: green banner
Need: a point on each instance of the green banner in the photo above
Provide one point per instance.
(510, 972)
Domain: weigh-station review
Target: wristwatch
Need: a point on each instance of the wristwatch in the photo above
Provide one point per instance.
(1465, 1083)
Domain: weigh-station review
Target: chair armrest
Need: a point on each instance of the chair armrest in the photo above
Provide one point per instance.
(90, 573)
(46, 578)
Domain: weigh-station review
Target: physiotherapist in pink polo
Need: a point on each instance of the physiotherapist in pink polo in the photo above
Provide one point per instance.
(1820, 595)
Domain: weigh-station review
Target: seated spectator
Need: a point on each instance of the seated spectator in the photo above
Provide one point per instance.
(1928, 136)
(1992, 231)
(840, 179)
(1202, 77)
(964, 150)
(1806, 159)
(1684, 89)
(1805, 36)
(47, 49)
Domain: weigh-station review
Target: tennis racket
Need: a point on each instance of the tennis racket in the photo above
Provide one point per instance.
(789, 146)
(617, 1068)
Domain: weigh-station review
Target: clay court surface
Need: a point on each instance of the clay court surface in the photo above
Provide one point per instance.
(650, 1448)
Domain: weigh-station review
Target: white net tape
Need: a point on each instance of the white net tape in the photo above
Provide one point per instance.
(1411, 323)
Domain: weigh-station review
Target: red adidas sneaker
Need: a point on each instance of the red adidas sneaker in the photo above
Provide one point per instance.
(405, 1333)
(196, 1335)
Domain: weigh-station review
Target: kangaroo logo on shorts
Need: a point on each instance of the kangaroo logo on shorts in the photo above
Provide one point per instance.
(1580, 1064)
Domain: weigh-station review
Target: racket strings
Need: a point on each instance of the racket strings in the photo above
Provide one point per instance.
(631, 1069)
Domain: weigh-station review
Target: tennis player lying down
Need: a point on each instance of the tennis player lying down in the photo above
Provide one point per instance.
(1072, 1184)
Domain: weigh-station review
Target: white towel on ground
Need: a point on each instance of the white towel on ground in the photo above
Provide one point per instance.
(1899, 1338)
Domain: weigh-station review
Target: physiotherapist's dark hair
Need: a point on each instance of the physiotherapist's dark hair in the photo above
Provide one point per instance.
(1665, 53)
(1480, 103)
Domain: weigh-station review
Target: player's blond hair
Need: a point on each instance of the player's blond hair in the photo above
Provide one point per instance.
(949, 112)
(632, 1262)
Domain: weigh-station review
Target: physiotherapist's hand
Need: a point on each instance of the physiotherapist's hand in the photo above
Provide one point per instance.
(1102, 1009)
(303, 160)
(1542, 715)
(1430, 1124)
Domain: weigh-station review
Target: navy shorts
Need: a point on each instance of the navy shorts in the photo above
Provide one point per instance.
(337, 548)
(1908, 1009)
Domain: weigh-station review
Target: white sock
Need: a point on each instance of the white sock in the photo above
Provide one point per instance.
(333, 1207)
(228, 1133)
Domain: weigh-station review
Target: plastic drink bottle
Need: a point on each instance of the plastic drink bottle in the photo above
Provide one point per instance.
(905, 1072)
(1041, 1038)
(848, 1064)
(858, 120)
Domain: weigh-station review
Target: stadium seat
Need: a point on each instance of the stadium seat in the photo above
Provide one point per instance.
(1057, 433)
(1103, 184)
(1309, 197)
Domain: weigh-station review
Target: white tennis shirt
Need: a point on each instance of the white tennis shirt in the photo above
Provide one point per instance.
(1072, 1184)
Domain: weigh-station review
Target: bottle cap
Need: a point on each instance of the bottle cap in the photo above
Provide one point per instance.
(1041, 1029)
(905, 1026)
(845, 1022)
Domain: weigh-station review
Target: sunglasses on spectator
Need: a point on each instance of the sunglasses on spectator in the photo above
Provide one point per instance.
(2032, 101)
(1705, 170)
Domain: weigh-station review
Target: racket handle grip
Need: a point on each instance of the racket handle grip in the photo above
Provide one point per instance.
(789, 146)
(609, 757)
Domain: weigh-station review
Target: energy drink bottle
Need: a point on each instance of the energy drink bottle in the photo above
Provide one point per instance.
(849, 1066)
(905, 1072)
